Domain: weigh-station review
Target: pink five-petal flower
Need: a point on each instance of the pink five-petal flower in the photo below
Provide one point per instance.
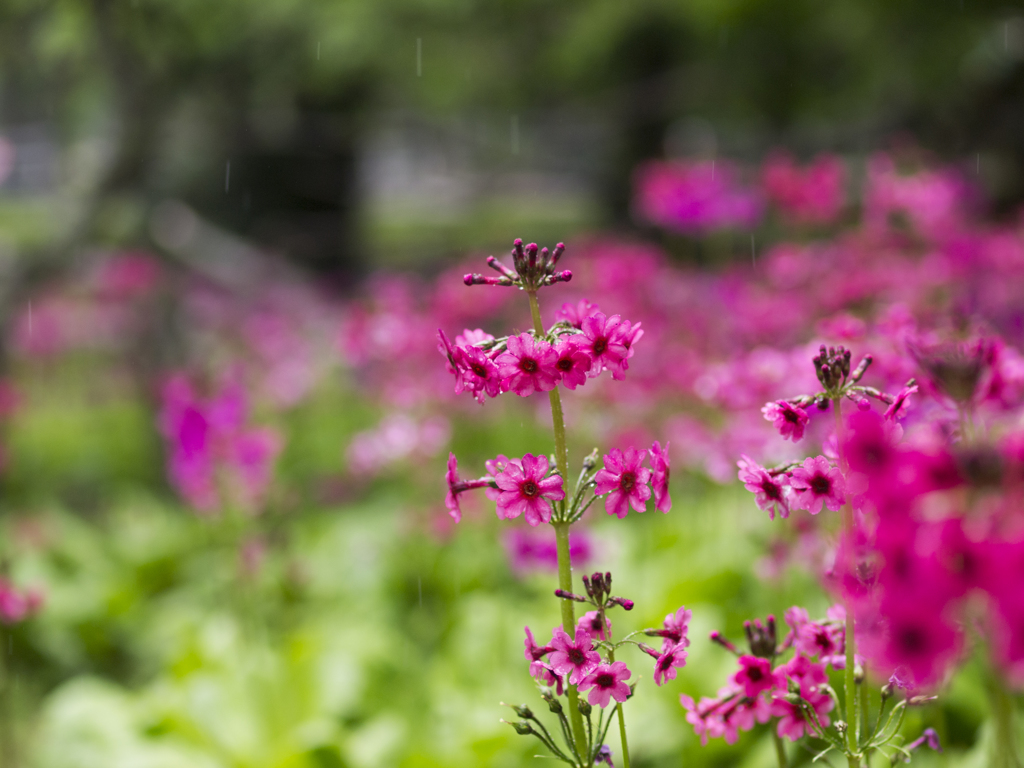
(898, 408)
(769, 490)
(756, 675)
(675, 629)
(573, 657)
(604, 338)
(817, 482)
(666, 664)
(528, 366)
(575, 315)
(524, 487)
(607, 682)
(630, 336)
(660, 468)
(790, 420)
(573, 362)
(625, 481)
(793, 725)
(479, 374)
(590, 622)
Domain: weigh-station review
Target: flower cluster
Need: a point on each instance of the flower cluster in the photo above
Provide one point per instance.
(524, 364)
(586, 659)
(216, 459)
(16, 605)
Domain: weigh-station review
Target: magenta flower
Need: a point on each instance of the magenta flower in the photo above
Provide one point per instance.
(451, 477)
(630, 336)
(525, 488)
(790, 420)
(479, 374)
(573, 657)
(769, 491)
(675, 629)
(590, 622)
(533, 651)
(625, 482)
(575, 315)
(667, 663)
(607, 682)
(604, 339)
(792, 723)
(756, 675)
(528, 366)
(898, 408)
(541, 671)
(817, 482)
(822, 640)
(573, 362)
(660, 468)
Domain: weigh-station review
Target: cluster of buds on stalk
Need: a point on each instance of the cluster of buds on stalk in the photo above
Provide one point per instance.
(533, 269)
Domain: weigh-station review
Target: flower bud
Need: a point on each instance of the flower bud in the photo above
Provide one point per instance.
(523, 728)
(523, 711)
(585, 708)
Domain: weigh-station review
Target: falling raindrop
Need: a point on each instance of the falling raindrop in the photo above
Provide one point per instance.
(515, 134)
(419, 57)
(318, 50)
(712, 171)
(227, 177)
(753, 252)
(30, 319)
(419, 588)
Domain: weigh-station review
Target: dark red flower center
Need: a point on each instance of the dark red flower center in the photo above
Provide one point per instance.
(821, 485)
(576, 656)
(529, 489)
(666, 661)
(605, 680)
(772, 490)
(479, 370)
(528, 365)
(822, 639)
(628, 481)
(564, 364)
(790, 415)
(754, 674)
(595, 624)
(600, 346)
(912, 640)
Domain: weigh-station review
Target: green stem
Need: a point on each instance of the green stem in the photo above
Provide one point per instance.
(1005, 734)
(849, 678)
(622, 717)
(780, 748)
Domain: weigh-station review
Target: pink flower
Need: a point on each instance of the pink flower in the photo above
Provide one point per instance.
(898, 408)
(675, 629)
(630, 336)
(573, 362)
(468, 338)
(792, 723)
(590, 622)
(790, 420)
(817, 482)
(756, 675)
(573, 657)
(15, 605)
(607, 682)
(525, 487)
(451, 499)
(659, 476)
(625, 482)
(668, 661)
(479, 374)
(822, 640)
(533, 651)
(769, 491)
(546, 675)
(528, 366)
(575, 315)
(604, 339)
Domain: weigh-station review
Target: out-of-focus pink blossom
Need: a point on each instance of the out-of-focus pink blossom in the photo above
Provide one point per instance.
(815, 483)
(790, 420)
(606, 682)
(660, 469)
(813, 195)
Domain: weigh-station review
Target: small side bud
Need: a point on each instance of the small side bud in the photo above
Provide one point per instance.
(887, 691)
(585, 708)
(523, 728)
(591, 461)
(523, 711)
(569, 596)
(625, 602)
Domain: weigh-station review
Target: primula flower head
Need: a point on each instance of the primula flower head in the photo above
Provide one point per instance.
(529, 365)
(605, 339)
(625, 481)
(666, 664)
(573, 362)
(606, 682)
(756, 675)
(816, 482)
(591, 623)
(573, 657)
(524, 487)
(790, 420)
(674, 630)
(769, 491)
(660, 469)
